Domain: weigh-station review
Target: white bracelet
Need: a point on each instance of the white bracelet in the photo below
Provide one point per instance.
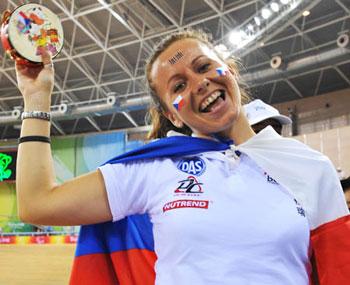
(36, 115)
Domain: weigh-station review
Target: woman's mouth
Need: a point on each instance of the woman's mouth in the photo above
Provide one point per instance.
(212, 101)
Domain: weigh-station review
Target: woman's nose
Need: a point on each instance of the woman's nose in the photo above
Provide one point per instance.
(203, 86)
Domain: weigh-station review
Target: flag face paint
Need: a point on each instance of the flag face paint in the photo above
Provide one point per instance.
(222, 70)
(179, 102)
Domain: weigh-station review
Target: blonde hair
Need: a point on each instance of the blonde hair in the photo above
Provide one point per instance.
(160, 124)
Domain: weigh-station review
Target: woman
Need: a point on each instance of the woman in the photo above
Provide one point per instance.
(240, 215)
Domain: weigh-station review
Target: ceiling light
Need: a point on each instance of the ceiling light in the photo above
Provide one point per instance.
(257, 21)
(274, 7)
(306, 13)
(266, 13)
(284, 2)
(293, 5)
(222, 49)
(236, 37)
(250, 27)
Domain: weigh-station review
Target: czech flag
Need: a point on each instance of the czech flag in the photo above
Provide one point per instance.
(115, 253)
(179, 102)
(222, 71)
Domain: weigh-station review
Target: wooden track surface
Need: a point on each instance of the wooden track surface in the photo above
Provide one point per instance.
(35, 264)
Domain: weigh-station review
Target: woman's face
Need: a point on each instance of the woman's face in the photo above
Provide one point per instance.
(186, 79)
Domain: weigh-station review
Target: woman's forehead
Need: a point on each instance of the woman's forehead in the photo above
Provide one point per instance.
(181, 54)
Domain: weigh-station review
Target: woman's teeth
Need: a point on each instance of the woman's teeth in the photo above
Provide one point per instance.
(211, 99)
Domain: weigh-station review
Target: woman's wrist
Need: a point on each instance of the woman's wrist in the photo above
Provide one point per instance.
(35, 127)
(37, 102)
(33, 108)
(37, 106)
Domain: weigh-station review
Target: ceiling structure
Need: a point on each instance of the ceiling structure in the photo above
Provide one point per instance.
(99, 73)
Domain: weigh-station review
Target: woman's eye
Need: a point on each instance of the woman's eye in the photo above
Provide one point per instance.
(204, 68)
(179, 86)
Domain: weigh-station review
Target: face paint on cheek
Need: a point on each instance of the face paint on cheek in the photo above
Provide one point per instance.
(176, 57)
(222, 71)
(178, 103)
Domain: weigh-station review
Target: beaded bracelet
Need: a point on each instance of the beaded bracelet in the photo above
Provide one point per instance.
(36, 115)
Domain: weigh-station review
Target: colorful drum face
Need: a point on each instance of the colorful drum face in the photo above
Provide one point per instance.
(29, 28)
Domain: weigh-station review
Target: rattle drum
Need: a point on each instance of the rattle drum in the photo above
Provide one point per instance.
(28, 29)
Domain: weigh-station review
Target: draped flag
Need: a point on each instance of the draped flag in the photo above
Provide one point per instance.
(331, 249)
(122, 252)
(115, 253)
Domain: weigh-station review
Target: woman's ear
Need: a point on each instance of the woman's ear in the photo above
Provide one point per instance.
(174, 119)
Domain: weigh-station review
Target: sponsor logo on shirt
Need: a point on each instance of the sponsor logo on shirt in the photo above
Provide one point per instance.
(270, 179)
(193, 166)
(189, 185)
(200, 204)
(300, 210)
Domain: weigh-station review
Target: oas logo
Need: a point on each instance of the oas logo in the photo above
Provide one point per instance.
(193, 165)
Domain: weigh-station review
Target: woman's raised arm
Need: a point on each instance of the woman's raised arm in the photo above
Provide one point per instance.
(82, 200)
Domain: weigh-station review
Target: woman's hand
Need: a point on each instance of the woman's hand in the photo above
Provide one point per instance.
(36, 82)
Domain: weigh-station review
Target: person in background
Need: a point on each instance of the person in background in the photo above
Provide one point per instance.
(345, 183)
(261, 115)
(341, 174)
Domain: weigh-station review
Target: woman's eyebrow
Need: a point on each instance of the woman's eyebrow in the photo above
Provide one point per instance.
(175, 76)
(194, 61)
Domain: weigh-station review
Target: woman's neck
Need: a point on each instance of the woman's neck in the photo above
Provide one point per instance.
(240, 131)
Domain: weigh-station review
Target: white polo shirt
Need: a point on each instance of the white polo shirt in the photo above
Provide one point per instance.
(217, 219)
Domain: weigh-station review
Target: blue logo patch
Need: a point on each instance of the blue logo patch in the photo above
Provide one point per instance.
(193, 165)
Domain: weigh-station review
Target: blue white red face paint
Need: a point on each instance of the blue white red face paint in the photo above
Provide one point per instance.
(222, 71)
(179, 102)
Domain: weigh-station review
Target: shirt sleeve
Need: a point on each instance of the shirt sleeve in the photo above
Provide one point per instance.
(126, 188)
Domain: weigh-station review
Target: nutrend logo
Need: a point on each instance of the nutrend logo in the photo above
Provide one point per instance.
(200, 204)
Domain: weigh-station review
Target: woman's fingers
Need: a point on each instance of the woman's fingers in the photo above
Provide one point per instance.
(46, 58)
(21, 69)
(30, 71)
(19, 66)
(34, 71)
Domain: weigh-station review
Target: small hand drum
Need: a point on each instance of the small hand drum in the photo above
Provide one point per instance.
(28, 29)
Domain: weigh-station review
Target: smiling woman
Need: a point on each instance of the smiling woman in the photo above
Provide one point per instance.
(202, 58)
(222, 205)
